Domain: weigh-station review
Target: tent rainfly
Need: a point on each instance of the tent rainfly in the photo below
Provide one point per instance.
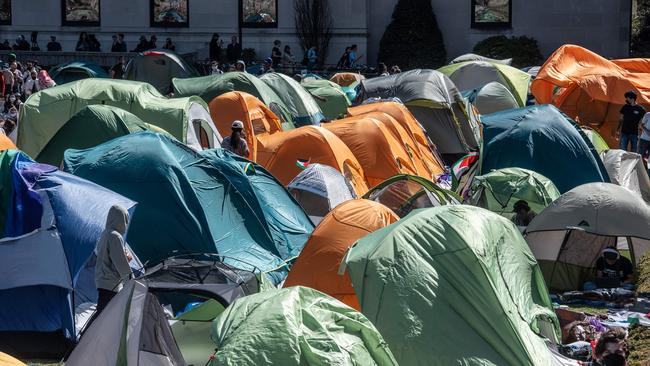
(158, 67)
(299, 102)
(627, 170)
(491, 98)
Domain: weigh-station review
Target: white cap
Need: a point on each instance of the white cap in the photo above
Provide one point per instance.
(238, 125)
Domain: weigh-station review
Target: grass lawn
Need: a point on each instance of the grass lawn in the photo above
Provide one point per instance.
(639, 338)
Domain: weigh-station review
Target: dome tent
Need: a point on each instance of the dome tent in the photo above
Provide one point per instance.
(473, 57)
(568, 236)
(627, 170)
(329, 96)
(76, 70)
(491, 98)
(299, 102)
(158, 67)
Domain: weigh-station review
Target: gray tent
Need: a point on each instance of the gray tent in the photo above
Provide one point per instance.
(569, 235)
(474, 57)
(491, 98)
(436, 103)
(158, 68)
(627, 170)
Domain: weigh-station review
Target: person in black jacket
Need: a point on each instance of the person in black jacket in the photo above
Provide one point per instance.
(233, 52)
(215, 47)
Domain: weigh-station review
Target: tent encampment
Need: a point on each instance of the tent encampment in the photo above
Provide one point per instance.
(499, 190)
(158, 67)
(317, 266)
(474, 57)
(258, 119)
(329, 96)
(472, 74)
(286, 153)
(319, 188)
(405, 193)
(491, 98)
(436, 103)
(541, 139)
(454, 285)
(299, 102)
(569, 235)
(93, 125)
(296, 326)
(51, 222)
(133, 329)
(45, 112)
(627, 170)
(212, 86)
(208, 202)
(76, 70)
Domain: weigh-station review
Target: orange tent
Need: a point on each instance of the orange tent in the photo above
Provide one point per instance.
(346, 78)
(318, 263)
(281, 153)
(6, 143)
(381, 154)
(258, 119)
(590, 88)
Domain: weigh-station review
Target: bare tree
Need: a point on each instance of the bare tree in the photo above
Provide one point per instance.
(314, 25)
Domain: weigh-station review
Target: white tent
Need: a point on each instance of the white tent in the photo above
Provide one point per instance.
(491, 98)
(626, 169)
(473, 57)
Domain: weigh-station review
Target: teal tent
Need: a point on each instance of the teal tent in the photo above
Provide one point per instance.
(544, 140)
(212, 86)
(296, 326)
(301, 104)
(209, 202)
(454, 285)
(76, 70)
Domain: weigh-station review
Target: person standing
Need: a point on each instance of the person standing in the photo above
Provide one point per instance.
(112, 268)
(44, 80)
(53, 45)
(312, 57)
(117, 71)
(644, 140)
(31, 86)
(628, 125)
(215, 47)
(276, 53)
(287, 57)
(118, 43)
(83, 44)
(169, 45)
(142, 45)
(233, 52)
(235, 143)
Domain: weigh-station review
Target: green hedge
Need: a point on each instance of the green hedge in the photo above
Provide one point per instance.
(523, 50)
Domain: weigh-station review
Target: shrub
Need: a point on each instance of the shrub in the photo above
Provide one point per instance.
(522, 50)
(413, 39)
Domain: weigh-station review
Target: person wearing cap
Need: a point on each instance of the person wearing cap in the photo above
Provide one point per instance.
(628, 124)
(235, 143)
(240, 66)
(612, 265)
(267, 67)
(523, 214)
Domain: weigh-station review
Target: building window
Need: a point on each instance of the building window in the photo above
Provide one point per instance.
(258, 13)
(491, 13)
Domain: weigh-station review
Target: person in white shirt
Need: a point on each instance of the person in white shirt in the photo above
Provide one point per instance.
(31, 85)
(644, 141)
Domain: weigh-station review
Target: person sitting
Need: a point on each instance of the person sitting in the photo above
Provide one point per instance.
(214, 68)
(169, 45)
(523, 214)
(240, 66)
(267, 66)
(612, 265)
(235, 143)
(382, 69)
(53, 45)
(287, 57)
(142, 45)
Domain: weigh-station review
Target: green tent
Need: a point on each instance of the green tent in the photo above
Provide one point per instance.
(454, 285)
(212, 86)
(596, 139)
(47, 111)
(158, 68)
(6, 185)
(499, 190)
(93, 125)
(296, 326)
(330, 97)
(472, 74)
(301, 104)
(76, 70)
(208, 202)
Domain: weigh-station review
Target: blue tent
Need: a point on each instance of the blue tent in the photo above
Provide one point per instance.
(544, 140)
(208, 202)
(76, 70)
(51, 228)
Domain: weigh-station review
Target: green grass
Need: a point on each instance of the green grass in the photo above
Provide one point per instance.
(639, 336)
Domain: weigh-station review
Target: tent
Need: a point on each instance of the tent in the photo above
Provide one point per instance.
(302, 106)
(491, 98)
(401, 115)
(258, 119)
(594, 137)
(51, 222)
(590, 88)
(568, 237)
(344, 79)
(6, 143)
(454, 285)
(472, 74)
(284, 154)
(627, 170)
(405, 193)
(318, 189)
(296, 326)
(317, 266)
(473, 57)
(329, 96)
(208, 202)
(133, 328)
(93, 125)
(436, 104)
(541, 139)
(378, 151)
(499, 190)
(158, 67)
(7, 360)
(45, 112)
(76, 70)
(209, 87)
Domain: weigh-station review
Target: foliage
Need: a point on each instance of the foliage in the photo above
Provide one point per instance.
(413, 39)
(523, 50)
(314, 25)
(640, 41)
